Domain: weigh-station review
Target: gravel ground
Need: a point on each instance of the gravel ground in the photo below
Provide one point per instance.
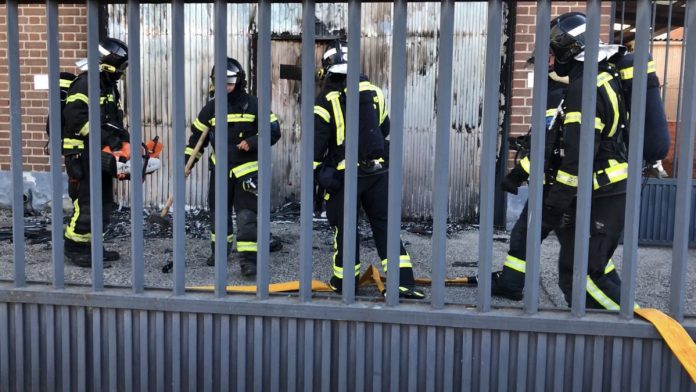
(462, 249)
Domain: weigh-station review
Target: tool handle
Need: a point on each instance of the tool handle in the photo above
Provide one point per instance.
(187, 170)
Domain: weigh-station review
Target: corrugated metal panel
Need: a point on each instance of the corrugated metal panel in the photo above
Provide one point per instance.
(658, 200)
(467, 90)
(381, 355)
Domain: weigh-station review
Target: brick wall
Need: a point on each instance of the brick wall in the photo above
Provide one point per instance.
(521, 114)
(33, 55)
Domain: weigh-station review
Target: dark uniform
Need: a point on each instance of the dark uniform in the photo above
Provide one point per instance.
(75, 136)
(329, 157)
(242, 125)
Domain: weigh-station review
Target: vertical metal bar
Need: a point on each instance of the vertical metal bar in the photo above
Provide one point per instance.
(96, 348)
(192, 351)
(179, 130)
(377, 359)
(442, 141)
(136, 134)
(396, 151)
(325, 370)
(677, 127)
(665, 83)
(34, 345)
(412, 358)
(224, 366)
(541, 365)
(431, 352)
(128, 350)
(395, 356)
(112, 354)
(275, 355)
(18, 244)
(487, 170)
(95, 173)
(485, 371)
(176, 352)
(635, 160)
(81, 335)
(578, 361)
(54, 116)
(51, 325)
(343, 358)
(221, 169)
(66, 328)
(143, 349)
(536, 178)
(264, 198)
(448, 366)
(680, 252)
(559, 363)
(636, 360)
(350, 190)
(623, 19)
(208, 352)
(308, 354)
(656, 365)
(241, 350)
(360, 356)
(19, 346)
(587, 135)
(258, 351)
(467, 359)
(616, 358)
(4, 348)
(523, 360)
(597, 362)
(159, 351)
(291, 381)
(307, 149)
(503, 361)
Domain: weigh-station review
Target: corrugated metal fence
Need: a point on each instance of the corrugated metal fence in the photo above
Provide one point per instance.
(99, 338)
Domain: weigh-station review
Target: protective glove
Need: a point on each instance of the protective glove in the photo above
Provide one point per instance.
(552, 217)
(513, 180)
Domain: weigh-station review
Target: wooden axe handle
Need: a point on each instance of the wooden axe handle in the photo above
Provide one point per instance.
(187, 170)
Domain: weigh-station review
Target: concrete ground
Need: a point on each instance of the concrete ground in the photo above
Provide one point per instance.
(652, 289)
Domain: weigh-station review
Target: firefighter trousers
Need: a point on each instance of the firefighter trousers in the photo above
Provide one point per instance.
(78, 232)
(245, 205)
(603, 285)
(372, 197)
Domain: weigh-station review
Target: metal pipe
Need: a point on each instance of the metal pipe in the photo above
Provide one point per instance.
(178, 131)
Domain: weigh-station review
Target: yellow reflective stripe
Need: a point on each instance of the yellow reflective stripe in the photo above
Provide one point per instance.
(107, 67)
(212, 157)
(551, 112)
(627, 73)
(77, 97)
(65, 83)
(599, 296)
(526, 165)
(108, 98)
(244, 117)
(404, 262)
(567, 179)
(516, 264)
(379, 99)
(617, 173)
(572, 117)
(603, 77)
(338, 116)
(84, 131)
(246, 246)
(244, 169)
(610, 267)
(323, 113)
(615, 107)
(199, 125)
(274, 118)
(189, 151)
(230, 237)
(73, 143)
(341, 165)
(315, 164)
(70, 230)
(338, 271)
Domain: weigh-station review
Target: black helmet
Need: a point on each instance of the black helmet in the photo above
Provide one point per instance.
(568, 36)
(113, 56)
(235, 74)
(335, 58)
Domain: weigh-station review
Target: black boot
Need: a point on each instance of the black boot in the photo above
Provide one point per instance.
(248, 268)
(275, 244)
(111, 255)
(499, 288)
(83, 257)
(336, 284)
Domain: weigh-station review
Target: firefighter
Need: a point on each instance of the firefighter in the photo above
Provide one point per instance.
(329, 162)
(610, 167)
(242, 129)
(114, 139)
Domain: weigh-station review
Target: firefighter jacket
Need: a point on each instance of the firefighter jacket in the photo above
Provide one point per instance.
(75, 132)
(610, 167)
(242, 125)
(330, 124)
(556, 91)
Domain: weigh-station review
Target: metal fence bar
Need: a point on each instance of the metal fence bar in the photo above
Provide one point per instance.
(221, 154)
(128, 358)
(54, 116)
(179, 130)
(97, 355)
(350, 189)
(95, 173)
(635, 160)
(585, 158)
(488, 145)
(18, 245)
(682, 219)
(50, 351)
(666, 60)
(307, 149)
(536, 178)
(677, 126)
(264, 147)
(623, 18)
(135, 121)
(396, 150)
(442, 141)
(65, 347)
